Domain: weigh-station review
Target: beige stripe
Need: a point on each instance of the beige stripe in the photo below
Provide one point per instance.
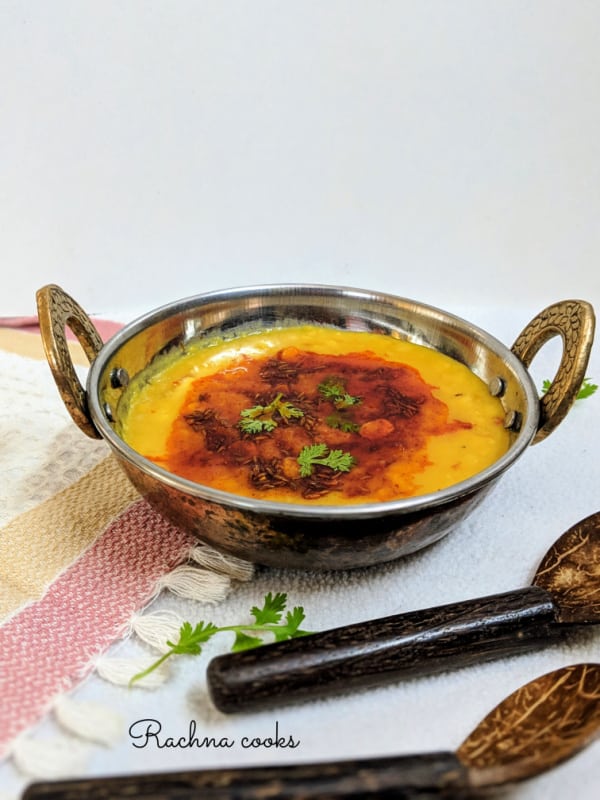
(36, 546)
(30, 345)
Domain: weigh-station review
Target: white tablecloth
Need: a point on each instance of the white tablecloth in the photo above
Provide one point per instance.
(497, 548)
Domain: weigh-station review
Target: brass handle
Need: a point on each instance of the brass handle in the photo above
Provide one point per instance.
(56, 311)
(574, 321)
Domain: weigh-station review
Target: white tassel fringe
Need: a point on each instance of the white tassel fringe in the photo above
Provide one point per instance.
(196, 584)
(62, 756)
(121, 670)
(207, 557)
(88, 721)
(155, 628)
(58, 757)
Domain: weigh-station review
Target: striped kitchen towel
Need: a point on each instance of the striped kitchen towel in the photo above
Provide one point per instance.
(81, 554)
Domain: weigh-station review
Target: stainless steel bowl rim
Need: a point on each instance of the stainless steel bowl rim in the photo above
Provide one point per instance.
(302, 510)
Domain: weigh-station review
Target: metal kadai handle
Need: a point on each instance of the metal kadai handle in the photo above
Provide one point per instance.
(58, 311)
(574, 322)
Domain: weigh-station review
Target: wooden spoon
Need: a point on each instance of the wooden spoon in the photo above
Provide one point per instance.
(543, 723)
(565, 593)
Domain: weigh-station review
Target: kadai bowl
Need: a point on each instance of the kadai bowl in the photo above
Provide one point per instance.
(313, 427)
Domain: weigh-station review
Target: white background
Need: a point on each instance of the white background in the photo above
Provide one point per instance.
(445, 151)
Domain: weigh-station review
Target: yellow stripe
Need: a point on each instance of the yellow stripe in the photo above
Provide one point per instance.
(36, 546)
(30, 345)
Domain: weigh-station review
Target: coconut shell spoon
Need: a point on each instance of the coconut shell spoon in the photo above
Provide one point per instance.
(541, 724)
(565, 593)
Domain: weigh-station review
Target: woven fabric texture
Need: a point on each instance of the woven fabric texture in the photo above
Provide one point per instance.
(39, 544)
(51, 644)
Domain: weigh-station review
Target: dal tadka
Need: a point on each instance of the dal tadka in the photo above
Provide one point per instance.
(311, 414)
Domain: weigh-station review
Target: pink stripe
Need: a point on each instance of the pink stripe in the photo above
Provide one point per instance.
(105, 327)
(49, 646)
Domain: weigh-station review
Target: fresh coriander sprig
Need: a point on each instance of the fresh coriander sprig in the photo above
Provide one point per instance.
(587, 388)
(261, 418)
(335, 391)
(267, 620)
(319, 453)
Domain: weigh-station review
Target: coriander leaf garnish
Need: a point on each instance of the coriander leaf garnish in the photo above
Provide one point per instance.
(334, 390)
(341, 423)
(245, 642)
(319, 453)
(587, 388)
(273, 608)
(288, 411)
(291, 629)
(257, 425)
(261, 418)
(267, 621)
(191, 638)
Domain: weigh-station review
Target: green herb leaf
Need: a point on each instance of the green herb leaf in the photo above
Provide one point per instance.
(341, 423)
(334, 390)
(308, 456)
(313, 454)
(339, 461)
(252, 425)
(245, 642)
(587, 388)
(261, 418)
(267, 621)
(272, 609)
(190, 638)
(288, 411)
(292, 627)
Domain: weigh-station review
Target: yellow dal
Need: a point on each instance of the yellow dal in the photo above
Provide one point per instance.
(153, 401)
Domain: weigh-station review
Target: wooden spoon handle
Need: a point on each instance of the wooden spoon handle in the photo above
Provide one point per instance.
(374, 652)
(431, 775)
